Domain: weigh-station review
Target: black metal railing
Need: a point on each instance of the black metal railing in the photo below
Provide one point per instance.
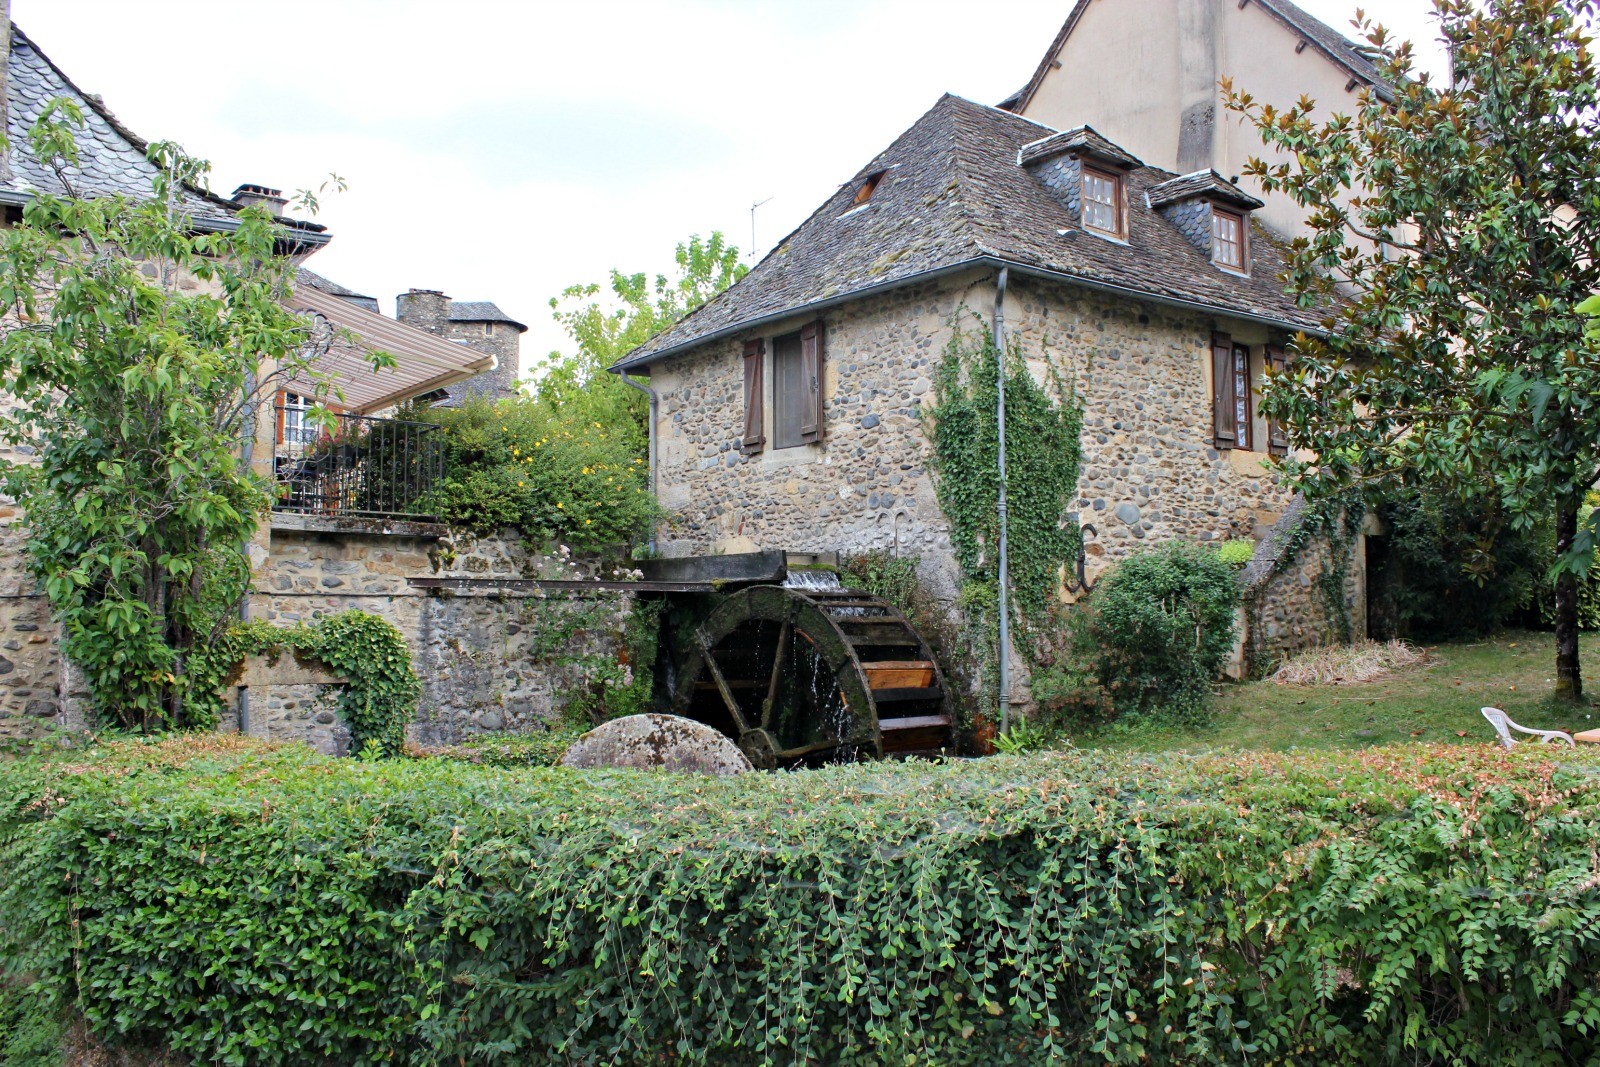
(359, 467)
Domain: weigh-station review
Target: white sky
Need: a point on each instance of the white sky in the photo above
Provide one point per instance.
(504, 150)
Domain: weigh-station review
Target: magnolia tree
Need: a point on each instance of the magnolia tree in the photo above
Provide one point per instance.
(135, 354)
(1462, 222)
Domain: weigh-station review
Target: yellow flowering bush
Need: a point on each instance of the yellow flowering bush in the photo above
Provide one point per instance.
(524, 463)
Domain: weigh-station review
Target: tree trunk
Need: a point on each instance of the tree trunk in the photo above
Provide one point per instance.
(1569, 677)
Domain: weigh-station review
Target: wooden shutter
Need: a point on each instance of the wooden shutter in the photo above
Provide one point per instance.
(1222, 422)
(754, 414)
(811, 382)
(277, 407)
(1277, 435)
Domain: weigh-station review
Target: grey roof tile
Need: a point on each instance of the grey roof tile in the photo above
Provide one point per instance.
(1206, 183)
(481, 311)
(953, 193)
(112, 160)
(333, 288)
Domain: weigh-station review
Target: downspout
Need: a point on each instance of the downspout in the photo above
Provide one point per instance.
(1005, 575)
(655, 411)
(247, 457)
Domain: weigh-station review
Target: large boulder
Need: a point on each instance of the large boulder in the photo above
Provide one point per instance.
(657, 743)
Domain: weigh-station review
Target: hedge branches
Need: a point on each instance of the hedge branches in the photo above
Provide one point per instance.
(248, 905)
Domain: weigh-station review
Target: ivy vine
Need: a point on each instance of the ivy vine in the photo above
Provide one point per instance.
(1042, 460)
(380, 693)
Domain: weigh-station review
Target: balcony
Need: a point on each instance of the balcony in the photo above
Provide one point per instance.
(360, 468)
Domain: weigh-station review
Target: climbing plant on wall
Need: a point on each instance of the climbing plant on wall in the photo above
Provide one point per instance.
(380, 692)
(1043, 453)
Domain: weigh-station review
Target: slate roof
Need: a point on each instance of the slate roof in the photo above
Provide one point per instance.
(1085, 140)
(1207, 183)
(1327, 40)
(112, 158)
(481, 311)
(953, 196)
(333, 288)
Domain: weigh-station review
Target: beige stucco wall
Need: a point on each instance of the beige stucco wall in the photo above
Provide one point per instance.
(1137, 70)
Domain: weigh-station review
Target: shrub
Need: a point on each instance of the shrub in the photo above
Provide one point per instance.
(248, 905)
(1238, 552)
(526, 464)
(1162, 624)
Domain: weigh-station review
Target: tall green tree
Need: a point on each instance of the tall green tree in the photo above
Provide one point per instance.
(1463, 223)
(606, 323)
(137, 355)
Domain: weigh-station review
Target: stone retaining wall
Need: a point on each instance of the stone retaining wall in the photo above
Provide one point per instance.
(477, 655)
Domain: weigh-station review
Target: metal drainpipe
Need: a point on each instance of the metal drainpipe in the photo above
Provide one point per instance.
(247, 456)
(655, 410)
(1005, 574)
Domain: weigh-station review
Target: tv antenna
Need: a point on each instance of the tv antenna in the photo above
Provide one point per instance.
(753, 207)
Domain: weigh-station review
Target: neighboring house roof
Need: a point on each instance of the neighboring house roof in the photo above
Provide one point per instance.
(332, 288)
(481, 311)
(112, 160)
(423, 362)
(1327, 40)
(952, 196)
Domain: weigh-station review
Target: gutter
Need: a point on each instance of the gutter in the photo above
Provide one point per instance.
(655, 414)
(990, 262)
(298, 231)
(1000, 508)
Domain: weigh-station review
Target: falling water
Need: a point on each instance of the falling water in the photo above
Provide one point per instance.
(812, 580)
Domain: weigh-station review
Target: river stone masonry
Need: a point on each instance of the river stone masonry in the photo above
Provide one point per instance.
(1150, 469)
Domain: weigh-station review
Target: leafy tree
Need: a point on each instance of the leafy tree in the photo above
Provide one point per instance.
(1463, 222)
(634, 309)
(135, 365)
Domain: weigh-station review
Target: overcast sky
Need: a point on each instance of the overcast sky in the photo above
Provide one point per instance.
(504, 150)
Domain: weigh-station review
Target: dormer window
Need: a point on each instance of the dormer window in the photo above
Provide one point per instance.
(1102, 203)
(1229, 240)
(869, 185)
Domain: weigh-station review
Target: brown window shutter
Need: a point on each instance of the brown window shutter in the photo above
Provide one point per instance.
(277, 406)
(1277, 435)
(754, 416)
(811, 381)
(1222, 424)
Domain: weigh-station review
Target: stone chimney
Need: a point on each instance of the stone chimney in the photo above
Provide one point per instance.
(1198, 128)
(424, 309)
(249, 193)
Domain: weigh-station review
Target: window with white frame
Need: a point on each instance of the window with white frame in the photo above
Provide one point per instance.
(297, 426)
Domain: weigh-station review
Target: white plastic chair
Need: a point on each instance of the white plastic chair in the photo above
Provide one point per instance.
(1503, 726)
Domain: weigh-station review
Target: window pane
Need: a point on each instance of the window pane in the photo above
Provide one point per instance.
(1100, 203)
(1241, 396)
(788, 392)
(1227, 240)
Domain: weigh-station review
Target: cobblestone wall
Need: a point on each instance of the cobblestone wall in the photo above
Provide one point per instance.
(476, 655)
(1289, 590)
(1150, 471)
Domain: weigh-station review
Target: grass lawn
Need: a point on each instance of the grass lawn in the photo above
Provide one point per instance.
(1437, 701)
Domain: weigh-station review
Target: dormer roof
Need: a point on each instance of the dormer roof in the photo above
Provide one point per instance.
(1084, 142)
(1202, 185)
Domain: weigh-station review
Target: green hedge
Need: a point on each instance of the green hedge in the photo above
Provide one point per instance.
(246, 905)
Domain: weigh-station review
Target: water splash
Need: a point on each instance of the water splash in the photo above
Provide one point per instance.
(812, 580)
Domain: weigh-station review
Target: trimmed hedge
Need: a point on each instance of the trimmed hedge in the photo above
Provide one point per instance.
(250, 905)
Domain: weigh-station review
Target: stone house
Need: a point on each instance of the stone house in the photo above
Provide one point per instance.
(1146, 74)
(308, 560)
(787, 411)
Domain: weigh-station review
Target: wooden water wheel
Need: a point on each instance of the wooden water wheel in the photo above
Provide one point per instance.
(809, 675)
